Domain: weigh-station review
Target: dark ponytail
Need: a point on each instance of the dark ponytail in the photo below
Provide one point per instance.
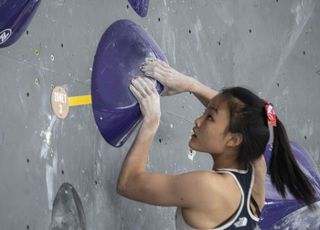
(285, 171)
(248, 117)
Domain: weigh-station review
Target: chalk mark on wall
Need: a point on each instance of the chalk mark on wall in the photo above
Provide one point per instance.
(2, 139)
(86, 82)
(303, 12)
(51, 161)
(47, 134)
(223, 13)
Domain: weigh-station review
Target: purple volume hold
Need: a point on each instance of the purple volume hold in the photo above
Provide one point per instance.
(15, 16)
(140, 6)
(121, 50)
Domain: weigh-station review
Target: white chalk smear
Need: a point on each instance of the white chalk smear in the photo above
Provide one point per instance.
(50, 171)
(57, 3)
(168, 41)
(198, 31)
(224, 14)
(165, 3)
(307, 129)
(47, 134)
(303, 13)
(303, 10)
(192, 154)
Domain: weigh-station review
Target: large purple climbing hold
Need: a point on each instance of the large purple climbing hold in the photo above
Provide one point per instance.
(280, 212)
(140, 6)
(121, 50)
(15, 16)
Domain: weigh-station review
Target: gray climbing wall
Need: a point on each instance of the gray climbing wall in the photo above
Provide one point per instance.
(272, 47)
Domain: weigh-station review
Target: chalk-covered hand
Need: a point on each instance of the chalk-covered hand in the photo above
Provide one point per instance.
(173, 81)
(149, 100)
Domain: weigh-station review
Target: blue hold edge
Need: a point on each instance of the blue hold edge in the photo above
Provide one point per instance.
(140, 6)
(121, 51)
(15, 16)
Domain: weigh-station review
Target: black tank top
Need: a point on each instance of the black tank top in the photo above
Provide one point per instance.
(243, 218)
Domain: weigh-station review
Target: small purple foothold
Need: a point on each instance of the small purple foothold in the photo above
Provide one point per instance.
(140, 6)
(15, 16)
(121, 51)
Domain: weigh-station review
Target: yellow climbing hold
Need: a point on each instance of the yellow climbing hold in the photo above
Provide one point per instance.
(37, 52)
(37, 82)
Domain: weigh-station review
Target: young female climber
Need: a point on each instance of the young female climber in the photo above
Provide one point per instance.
(234, 131)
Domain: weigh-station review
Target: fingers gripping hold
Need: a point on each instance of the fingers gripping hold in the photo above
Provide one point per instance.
(156, 71)
(146, 87)
(146, 94)
(153, 65)
(136, 93)
(150, 59)
(139, 87)
(173, 81)
(142, 87)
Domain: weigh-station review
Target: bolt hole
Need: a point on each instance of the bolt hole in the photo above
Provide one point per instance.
(28, 160)
(278, 84)
(27, 32)
(28, 227)
(96, 182)
(305, 137)
(127, 6)
(61, 45)
(250, 30)
(28, 94)
(62, 172)
(189, 31)
(219, 43)
(159, 19)
(304, 52)
(160, 140)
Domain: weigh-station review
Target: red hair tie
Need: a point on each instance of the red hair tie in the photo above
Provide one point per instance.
(272, 117)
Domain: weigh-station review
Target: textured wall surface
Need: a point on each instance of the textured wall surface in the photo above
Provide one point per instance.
(272, 47)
